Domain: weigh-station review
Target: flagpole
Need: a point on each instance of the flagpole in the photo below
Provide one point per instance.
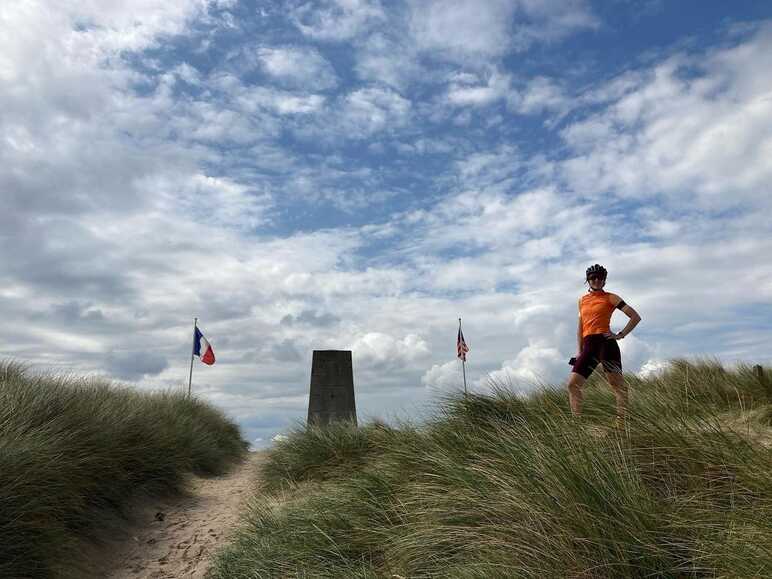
(192, 352)
(463, 360)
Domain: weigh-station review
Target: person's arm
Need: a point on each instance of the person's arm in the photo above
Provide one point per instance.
(579, 332)
(629, 312)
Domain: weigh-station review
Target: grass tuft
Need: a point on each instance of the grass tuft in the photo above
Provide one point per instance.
(508, 485)
(74, 451)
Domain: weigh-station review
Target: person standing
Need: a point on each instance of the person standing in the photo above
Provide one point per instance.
(597, 343)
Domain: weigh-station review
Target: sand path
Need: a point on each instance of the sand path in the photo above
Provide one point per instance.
(176, 538)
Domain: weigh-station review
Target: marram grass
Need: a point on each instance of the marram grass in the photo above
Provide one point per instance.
(74, 451)
(506, 486)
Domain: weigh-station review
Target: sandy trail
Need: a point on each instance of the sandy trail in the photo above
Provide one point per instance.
(176, 538)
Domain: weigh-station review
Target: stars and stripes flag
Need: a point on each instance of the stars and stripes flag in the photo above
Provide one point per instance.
(461, 347)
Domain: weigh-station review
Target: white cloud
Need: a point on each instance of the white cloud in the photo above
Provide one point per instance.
(538, 95)
(418, 41)
(481, 169)
(336, 20)
(378, 348)
(551, 20)
(635, 351)
(283, 103)
(388, 57)
(535, 96)
(248, 113)
(668, 133)
(465, 91)
(251, 106)
(370, 110)
(218, 201)
(467, 30)
(447, 376)
(87, 31)
(188, 74)
(532, 225)
(652, 368)
(459, 28)
(536, 364)
(297, 66)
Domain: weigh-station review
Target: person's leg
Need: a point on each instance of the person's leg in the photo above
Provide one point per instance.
(583, 367)
(617, 383)
(575, 383)
(612, 364)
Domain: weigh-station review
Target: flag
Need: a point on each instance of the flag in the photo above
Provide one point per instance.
(461, 347)
(202, 348)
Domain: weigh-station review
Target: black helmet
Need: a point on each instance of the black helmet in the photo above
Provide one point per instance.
(596, 269)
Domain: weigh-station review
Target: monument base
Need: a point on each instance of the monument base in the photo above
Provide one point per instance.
(332, 388)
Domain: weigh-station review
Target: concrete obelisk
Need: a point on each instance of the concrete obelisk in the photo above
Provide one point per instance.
(332, 387)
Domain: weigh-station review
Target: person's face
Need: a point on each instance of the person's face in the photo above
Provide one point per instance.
(596, 281)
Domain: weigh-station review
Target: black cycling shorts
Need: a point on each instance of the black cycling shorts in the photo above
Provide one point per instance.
(597, 348)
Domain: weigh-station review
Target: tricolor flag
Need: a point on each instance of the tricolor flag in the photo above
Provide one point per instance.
(461, 347)
(202, 348)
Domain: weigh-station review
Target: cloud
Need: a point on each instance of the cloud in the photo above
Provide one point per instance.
(536, 364)
(297, 67)
(404, 44)
(465, 90)
(369, 110)
(218, 201)
(336, 20)
(466, 30)
(388, 57)
(459, 28)
(538, 95)
(248, 114)
(380, 349)
(652, 368)
(285, 351)
(667, 134)
(551, 20)
(310, 317)
(242, 108)
(445, 376)
(86, 32)
(74, 312)
(534, 224)
(134, 365)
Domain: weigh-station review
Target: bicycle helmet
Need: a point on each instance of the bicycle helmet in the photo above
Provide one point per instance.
(596, 269)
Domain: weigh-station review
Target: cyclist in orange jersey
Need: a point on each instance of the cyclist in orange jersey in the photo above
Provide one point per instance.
(597, 343)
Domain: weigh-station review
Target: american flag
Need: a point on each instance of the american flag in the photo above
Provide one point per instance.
(461, 347)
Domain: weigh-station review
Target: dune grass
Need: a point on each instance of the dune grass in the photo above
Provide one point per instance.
(511, 486)
(74, 452)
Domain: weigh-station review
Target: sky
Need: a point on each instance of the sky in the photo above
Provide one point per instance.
(360, 174)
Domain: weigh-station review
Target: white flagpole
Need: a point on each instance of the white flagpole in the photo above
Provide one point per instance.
(463, 360)
(192, 353)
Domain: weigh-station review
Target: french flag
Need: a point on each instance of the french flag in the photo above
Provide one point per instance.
(202, 348)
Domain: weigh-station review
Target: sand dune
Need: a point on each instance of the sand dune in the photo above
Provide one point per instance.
(177, 538)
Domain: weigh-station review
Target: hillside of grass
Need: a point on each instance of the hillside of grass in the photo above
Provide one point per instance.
(74, 452)
(502, 486)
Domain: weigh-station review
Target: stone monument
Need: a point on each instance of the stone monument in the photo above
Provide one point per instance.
(332, 387)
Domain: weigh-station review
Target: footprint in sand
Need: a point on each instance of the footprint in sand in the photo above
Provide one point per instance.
(177, 538)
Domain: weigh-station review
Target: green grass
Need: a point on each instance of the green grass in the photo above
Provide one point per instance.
(74, 452)
(511, 486)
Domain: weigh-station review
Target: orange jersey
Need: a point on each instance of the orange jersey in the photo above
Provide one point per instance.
(595, 309)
